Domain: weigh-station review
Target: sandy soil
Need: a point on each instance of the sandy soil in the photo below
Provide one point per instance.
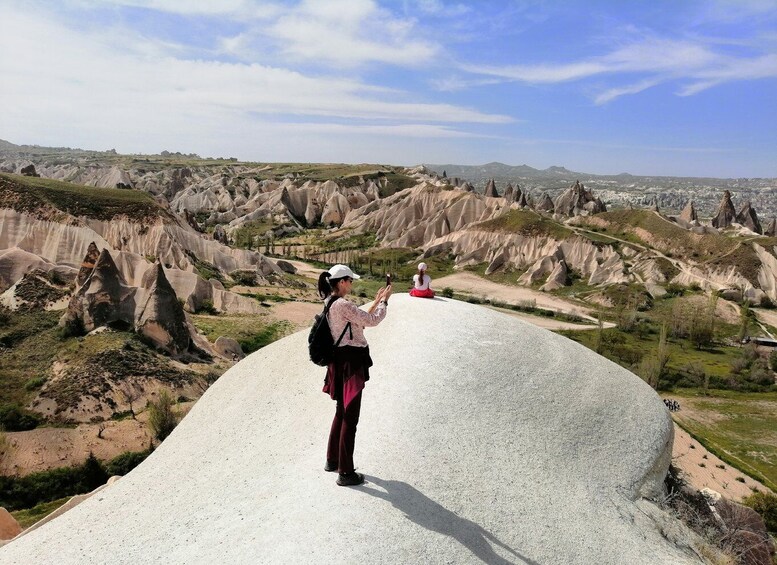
(689, 456)
(766, 316)
(305, 270)
(478, 286)
(725, 310)
(46, 448)
(300, 314)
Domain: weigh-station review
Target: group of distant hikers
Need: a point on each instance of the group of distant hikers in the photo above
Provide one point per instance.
(672, 405)
(337, 341)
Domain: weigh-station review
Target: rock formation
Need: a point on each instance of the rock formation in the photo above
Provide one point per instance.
(508, 195)
(152, 309)
(87, 265)
(192, 221)
(771, 228)
(220, 235)
(726, 213)
(159, 317)
(467, 187)
(557, 278)
(576, 201)
(9, 527)
(29, 171)
(517, 193)
(228, 348)
(748, 218)
(491, 189)
(103, 300)
(689, 215)
(286, 267)
(543, 501)
(545, 204)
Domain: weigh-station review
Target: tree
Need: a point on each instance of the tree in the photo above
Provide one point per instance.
(744, 321)
(130, 394)
(653, 368)
(599, 336)
(162, 416)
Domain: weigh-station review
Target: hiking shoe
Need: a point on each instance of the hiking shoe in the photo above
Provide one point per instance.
(350, 479)
(329, 467)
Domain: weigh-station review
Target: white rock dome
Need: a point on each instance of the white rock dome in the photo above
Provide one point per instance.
(482, 438)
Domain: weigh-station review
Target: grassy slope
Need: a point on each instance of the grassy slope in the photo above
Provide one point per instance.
(32, 194)
(252, 332)
(31, 342)
(739, 427)
(526, 222)
(714, 250)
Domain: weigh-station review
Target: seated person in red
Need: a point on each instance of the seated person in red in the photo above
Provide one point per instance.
(422, 283)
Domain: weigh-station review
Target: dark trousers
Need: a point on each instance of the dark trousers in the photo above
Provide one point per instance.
(342, 436)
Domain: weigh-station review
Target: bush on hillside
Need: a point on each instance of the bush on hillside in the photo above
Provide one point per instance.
(17, 493)
(13, 418)
(773, 360)
(765, 503)
(124, 463)
(162, 416)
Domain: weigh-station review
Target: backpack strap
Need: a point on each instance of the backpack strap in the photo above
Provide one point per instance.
(347, 326)
(329, 305)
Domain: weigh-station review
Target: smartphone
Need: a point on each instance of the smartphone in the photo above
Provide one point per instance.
(388, 279)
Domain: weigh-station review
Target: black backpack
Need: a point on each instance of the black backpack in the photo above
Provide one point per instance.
(321, 346)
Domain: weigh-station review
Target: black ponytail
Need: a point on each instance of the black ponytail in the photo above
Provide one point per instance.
(324, 288)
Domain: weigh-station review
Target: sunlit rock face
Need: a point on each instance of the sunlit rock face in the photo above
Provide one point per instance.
(485, 440)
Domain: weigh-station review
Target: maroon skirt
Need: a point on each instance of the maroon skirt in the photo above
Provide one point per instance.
(347, 373)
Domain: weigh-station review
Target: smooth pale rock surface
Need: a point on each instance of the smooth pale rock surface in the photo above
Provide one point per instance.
(483, 439)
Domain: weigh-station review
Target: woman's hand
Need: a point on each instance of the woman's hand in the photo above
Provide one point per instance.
(386, 292)
(380, 295)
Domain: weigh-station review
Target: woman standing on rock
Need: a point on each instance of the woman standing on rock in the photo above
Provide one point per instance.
(422, 283)
(347, 373)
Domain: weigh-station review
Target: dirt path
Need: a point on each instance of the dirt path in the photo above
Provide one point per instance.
(548, 323)
(478, 286)
(305, 269)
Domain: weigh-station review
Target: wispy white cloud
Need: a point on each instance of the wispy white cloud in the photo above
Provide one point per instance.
(438, 8)
(660, 58)
(613, 93)
(348, 33)
(98, 84)
(236, 9)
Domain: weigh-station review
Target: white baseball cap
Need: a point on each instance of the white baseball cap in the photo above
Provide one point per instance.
(421, 266)
(341, 271)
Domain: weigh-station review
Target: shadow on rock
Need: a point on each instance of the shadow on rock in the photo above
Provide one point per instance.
(430, 515)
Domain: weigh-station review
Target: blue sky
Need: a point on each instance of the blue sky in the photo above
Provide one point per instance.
(655, 87)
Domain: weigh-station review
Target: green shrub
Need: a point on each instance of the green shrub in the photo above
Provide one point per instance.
(28, 491)
(447, 292)
(773, 360)
(124, 463)
(162, 416)
(34, 383)
(207, 307)
(765, 503)
(246, 278)
(266, 336)
(767, 302)
(13, 418)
